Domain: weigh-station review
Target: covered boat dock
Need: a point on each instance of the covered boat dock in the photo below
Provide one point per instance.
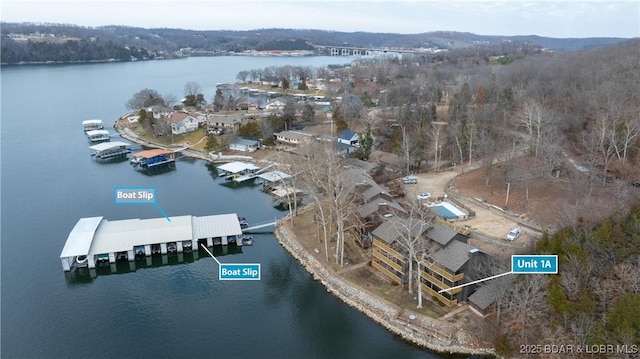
(91, 125)
(110, 149)
(152, 158)
(238, 171)
(97, 239)
(98, 135)
(270, 179)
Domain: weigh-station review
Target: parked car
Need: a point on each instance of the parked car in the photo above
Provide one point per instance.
(514, 233)
(409, 180)
(424, 195)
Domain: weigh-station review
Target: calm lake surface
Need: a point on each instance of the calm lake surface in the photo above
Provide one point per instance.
(49, 181)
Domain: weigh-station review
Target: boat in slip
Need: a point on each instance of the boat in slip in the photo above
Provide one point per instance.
(152, 158)
(247, 240)
(81, 261)
(243, 222)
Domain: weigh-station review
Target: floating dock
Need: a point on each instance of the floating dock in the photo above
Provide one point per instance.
(152, 158)
(270, 179)
(96, 240)
(239, 171)
(107, 150)
(98, 135)
(91, 125)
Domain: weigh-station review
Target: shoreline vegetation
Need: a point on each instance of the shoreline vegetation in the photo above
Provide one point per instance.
(418, 329)
(270, 53)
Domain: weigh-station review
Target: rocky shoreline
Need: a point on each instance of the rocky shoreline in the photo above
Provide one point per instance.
(420, 330)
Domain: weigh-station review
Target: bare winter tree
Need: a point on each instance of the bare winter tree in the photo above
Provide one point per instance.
(314, 179)
(534, 118)
(434, 133)
(322, 175)
(412, 240)
(525, 302)
(192, 88)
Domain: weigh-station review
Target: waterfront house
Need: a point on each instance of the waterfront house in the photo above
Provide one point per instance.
(387, 255)
(446, 269)
(244, 145)
(375, 202)
(229, 123)
(159, 111)
(182, 122)
(293, 138)
(200, 117)
(443, 266)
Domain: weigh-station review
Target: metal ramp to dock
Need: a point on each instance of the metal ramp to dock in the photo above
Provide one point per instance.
(258, 226)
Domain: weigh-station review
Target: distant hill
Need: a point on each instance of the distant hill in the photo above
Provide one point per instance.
(122, 42)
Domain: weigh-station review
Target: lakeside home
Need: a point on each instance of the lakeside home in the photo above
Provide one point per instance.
(441, 268)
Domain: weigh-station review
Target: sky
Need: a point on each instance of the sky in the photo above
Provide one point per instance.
(560, 18)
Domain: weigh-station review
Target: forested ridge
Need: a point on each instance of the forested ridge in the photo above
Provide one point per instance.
(116, 41)
(593, 300)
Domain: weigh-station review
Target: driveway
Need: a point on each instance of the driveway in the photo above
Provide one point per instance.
(491, 227)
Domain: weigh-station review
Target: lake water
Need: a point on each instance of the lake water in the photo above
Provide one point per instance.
(49, 181)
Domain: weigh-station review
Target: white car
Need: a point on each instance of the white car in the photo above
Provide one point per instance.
(424, 195)
(514, 233)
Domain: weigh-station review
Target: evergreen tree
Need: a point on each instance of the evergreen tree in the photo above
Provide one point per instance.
(251, 130)
(367, 142)
(212, 143)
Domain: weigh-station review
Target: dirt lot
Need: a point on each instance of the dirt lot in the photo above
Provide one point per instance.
(553, 202)
(485, 222)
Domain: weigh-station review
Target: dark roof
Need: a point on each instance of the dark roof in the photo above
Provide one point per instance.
(367, 166)
(346, 134)
(441, 234)
(389, 230)
(373, 206)
(487, 294)
(344, 147)
(455, 255)
(373, 191)
(354, 176)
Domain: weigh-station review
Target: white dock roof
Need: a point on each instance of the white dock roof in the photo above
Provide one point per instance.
(274, 176)
(80, 238)
(97, 132)
(216, 226)
(235, 167)
(93, 236)
(118, 236)
(108, 145)
(92, 122)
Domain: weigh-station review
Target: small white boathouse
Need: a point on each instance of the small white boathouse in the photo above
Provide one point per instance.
(238, 171)
(91, 125)
(98, 135)
(96, 239)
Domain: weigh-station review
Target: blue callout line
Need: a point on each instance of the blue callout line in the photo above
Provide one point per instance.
(161, 211)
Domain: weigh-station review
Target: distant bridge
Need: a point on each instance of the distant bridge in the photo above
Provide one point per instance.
(363, 51)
